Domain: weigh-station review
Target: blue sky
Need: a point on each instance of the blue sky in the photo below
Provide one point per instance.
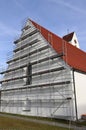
(57, 16)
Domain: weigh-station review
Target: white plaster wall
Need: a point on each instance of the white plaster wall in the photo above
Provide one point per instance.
(73, 41)
(80, 84)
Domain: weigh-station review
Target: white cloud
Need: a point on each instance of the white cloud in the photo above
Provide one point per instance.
(7, 30)
(70, 6)
(19, 5)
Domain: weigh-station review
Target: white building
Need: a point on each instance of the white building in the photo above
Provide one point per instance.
(45, 77)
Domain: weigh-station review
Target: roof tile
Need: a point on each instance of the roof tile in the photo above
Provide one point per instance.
(74, 57)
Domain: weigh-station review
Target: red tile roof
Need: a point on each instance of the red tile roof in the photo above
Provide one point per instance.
(74, 57)
(68, 37)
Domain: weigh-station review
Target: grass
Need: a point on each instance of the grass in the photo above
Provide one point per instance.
(82, 123)
(38, 118)
(11, 123)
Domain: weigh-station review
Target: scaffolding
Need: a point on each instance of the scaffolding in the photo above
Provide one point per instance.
(37, 81)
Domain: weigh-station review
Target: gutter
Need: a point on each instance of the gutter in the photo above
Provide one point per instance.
(76, 112)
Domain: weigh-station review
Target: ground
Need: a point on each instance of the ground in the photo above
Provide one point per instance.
(13, 123)
(17, 122)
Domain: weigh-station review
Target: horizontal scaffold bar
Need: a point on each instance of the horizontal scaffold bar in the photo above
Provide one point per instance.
(28, 54)
(26, 45)
(38, 85)
(33, 74)
(34, 62)
(26, 36)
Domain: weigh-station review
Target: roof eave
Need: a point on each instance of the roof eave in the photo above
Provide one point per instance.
(79, 71)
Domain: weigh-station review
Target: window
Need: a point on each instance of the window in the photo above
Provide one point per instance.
(27, 105)
(75, 41)
(29, 74)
